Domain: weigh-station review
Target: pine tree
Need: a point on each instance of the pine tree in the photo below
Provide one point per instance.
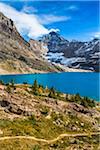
(58, 94)
(52, 93)
(77, 98)
(1, 82)
(66, 97)
(35, 87)
(12, 83)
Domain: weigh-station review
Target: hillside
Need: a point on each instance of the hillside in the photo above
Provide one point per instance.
(16, 54)
(44, 119)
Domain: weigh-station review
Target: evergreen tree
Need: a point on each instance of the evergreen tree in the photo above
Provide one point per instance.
(58, 94)
(1, 82)
(67, 97)
(35, 87)
(52, 93)
(84, 102)
(77, 98)
(12, 83)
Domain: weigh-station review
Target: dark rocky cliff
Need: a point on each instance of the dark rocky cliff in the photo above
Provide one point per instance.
(75, 54)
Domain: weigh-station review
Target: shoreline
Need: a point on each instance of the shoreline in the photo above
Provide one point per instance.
(42, 73)
(64, 93)
(45, 72)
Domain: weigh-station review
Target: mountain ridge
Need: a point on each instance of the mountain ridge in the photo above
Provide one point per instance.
(51, 53)
(75, 54)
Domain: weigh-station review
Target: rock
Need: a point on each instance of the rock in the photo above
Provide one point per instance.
(82, 124)
(74, 128)
(72, 141)
(80, 108)
(4, 103)
(27, 113)
(13, 108)
(1, 132)
(76, 122)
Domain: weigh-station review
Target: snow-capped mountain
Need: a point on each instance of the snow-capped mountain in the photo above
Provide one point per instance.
(75, 54)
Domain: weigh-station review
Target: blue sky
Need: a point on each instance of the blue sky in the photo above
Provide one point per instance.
(74, 19)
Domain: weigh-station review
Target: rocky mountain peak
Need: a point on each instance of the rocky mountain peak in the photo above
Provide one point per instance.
(53, 33)
(75, 54)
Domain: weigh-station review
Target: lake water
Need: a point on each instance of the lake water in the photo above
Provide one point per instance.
(87, 84)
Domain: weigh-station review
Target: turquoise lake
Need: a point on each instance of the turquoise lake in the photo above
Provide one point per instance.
(86, 84)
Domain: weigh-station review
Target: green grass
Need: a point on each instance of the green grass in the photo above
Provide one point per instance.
(43, 127)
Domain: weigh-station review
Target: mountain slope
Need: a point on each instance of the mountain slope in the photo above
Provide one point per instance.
(16, 55)
(75, 54)
(56, 121)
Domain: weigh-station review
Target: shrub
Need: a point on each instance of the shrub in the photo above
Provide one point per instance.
(1, 82)
(32, 119)
(12, 83)
(8, 89)
(86, 102)
(36, 147)
(58, 94)
(52, 93)
(25, 83)
(44, 110)
(77, 98)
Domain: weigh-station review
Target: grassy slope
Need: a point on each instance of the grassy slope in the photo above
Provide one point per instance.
(43, 126)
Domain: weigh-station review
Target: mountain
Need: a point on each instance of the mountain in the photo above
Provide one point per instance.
(51, 53)
(75, 54)
(16, 54)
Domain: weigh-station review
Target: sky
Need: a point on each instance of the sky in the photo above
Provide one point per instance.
(77, 20)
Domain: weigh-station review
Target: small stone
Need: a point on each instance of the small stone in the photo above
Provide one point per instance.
(1, 132)
(82, 124)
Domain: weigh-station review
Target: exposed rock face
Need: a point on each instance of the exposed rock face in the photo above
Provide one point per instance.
(14, 108)
(80, 109)
(75, 54)
(40, 48)
(16, 55)
(55, 42)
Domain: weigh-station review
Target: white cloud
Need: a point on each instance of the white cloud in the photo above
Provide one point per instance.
(95, 35)
(47, 19)
(72, 7)
(29, 9)
(30, 24)
(25, 23)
